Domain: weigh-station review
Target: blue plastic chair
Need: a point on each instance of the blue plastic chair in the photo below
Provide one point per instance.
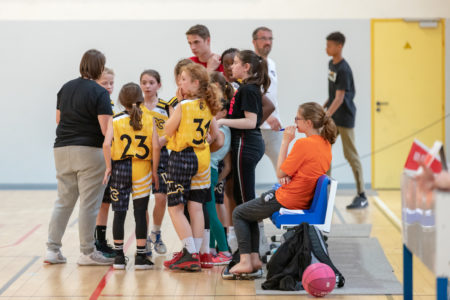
(320, 213)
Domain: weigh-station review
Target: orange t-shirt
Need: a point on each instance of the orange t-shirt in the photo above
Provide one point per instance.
(309, 159)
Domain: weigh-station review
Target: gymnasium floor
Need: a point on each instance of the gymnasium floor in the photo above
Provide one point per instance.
(24, 217)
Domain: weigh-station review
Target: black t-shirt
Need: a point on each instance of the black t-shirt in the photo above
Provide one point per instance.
(340, 77)
(248, 98)
(80, 101)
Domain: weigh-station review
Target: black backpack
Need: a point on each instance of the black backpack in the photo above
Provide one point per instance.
(317, 251)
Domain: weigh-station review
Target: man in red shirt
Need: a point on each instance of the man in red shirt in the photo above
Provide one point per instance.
(199, 40)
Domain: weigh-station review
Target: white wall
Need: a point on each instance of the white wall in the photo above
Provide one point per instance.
(37, 57)
(218, 9)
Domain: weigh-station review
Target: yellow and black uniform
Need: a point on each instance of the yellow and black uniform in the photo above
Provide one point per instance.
(160, 114)
(131, 155)
(189, 175)
(173, 102)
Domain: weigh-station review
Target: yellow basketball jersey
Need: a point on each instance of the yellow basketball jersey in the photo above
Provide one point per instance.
(160, 113)
(130, 143)
(194, 126)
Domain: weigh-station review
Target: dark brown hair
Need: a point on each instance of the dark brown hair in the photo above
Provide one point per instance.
(200, 30)
(152, 73)
(92, 64)
(337, 37)
(131, 98)
(316, 114)
(206, 90)
(258, 69)
(227, 88)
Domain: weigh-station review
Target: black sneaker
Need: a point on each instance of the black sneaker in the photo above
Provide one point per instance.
(120, 262)
(187, 262)
(105, 248)
(141, 262)
(358, 203)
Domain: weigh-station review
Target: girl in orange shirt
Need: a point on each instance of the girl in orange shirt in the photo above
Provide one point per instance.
(298, 172)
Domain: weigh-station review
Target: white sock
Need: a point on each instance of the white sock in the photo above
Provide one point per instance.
(231, 230)
(189, 244)
(198, 244)
(156, 228)
(213, 251)
(205, 243)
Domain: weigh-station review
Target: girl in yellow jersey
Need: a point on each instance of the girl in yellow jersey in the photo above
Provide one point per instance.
(135, 158)
(150, 82)
(188, 168)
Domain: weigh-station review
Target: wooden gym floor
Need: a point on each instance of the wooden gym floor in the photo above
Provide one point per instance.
(24, 217)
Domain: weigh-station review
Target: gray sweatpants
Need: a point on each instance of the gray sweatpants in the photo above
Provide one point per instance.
(245, 220)
(79, 171)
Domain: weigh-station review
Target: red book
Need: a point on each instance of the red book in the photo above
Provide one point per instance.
(419, 152)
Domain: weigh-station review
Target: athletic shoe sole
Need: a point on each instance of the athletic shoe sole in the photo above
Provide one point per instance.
(193, 267)
(143, 267)
(119, 267)
(54, 262)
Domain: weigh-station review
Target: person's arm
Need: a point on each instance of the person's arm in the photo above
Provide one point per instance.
(173, 122)
(288, 136)
(429, 181)
(107, 150)
(216, 136)
(249, 122)
(58, 116)
(226, 167)
(156, 151)
(104, 120)
(268, 108)
(338, 100)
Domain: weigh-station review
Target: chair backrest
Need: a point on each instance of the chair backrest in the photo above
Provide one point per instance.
(320, 195)
(331, 196)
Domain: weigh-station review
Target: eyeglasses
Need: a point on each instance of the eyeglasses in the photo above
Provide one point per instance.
(265, 39)
(298, 119)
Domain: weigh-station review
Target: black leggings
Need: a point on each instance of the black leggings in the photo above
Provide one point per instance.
(140, 216)
(247, 149)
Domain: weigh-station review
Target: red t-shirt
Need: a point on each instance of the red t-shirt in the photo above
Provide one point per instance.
(309, 159)
(196, 60)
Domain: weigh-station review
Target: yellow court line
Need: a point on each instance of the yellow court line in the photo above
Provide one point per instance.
(388, 213)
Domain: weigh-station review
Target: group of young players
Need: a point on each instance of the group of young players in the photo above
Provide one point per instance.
(183, 150)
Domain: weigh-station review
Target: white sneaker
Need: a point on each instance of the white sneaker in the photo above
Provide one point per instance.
(54, 257)
(95, 258)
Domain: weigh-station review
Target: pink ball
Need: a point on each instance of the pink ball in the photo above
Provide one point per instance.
(318, 279)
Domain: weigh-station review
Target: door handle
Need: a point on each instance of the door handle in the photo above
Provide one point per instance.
(379, 103)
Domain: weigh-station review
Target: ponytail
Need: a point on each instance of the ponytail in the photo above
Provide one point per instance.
(136, 116)
(259, 73)
(316, 114)
(131, 98)
(329, 131)
(226, 87)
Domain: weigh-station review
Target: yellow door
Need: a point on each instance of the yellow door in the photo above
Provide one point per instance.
(407, 94)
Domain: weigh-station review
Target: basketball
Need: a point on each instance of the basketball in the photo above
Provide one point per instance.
(318, 279)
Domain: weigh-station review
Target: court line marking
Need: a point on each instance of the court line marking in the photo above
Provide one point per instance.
(101, 285)
(388, 213)
(18, 274)
(23, 237)
(340, 216)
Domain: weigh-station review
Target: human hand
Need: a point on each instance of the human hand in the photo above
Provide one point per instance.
(289, 133)
(106, 176)
(274, 123)
(426, 179)
(213, 62)
(220, 122)
(179, 94)
(284, 180)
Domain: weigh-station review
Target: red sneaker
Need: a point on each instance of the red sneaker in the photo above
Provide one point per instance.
(187, 262)
(175, 257)
(206, 260)
(221, 259)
